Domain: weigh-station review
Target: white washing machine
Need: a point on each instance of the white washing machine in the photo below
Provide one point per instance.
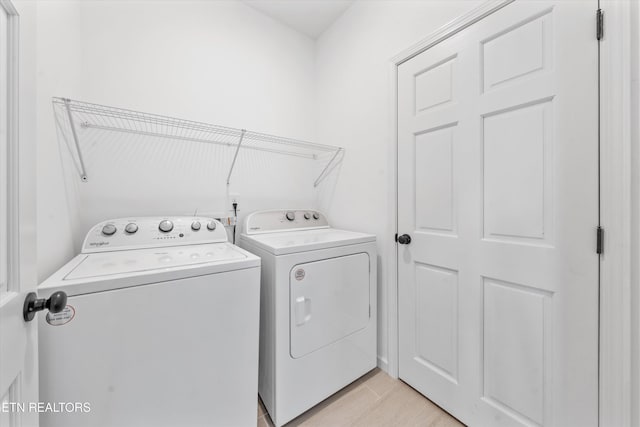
(160, 328)
(318, 308)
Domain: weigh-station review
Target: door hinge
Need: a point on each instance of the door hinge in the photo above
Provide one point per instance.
(600, 240)
(599, 24)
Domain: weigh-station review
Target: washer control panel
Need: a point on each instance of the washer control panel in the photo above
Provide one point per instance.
(151, 232)
(284, 220)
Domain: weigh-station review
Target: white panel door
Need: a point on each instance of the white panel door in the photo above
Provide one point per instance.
(18, 340)
(497, 187)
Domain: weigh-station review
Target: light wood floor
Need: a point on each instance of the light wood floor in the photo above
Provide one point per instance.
(375, 400)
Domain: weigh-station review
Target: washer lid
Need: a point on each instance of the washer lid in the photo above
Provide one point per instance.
(88, 273)
(306, 240)
(122, 262)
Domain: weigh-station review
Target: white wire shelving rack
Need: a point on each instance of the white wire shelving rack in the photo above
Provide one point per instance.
(84, 115)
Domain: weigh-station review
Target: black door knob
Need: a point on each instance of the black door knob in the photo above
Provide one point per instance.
(405, 239)
(55, 304)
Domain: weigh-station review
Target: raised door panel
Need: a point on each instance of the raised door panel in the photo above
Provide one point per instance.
(516, 349)
(434, 85)
(436, 320)
(435, 188)
(518, 203)
(12, 407)
(517, 52)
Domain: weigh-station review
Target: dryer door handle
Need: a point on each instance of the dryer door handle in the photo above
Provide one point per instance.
(303, 310)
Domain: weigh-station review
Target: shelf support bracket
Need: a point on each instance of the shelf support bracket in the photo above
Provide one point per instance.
(325, 171)
(235, 156)
(83, 171)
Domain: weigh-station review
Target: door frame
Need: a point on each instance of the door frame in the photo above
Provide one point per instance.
(616, 200)
(616, 215)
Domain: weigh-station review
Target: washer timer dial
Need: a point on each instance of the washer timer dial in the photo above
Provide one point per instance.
(109, 230)
(131, 228)
(165, 226)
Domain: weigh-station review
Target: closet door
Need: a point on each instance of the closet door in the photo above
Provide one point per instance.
(498, 190)
(18, 339)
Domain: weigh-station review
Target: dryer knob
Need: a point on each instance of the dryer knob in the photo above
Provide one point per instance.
(316, 215)
(195, 226)
(291, 215)
(307, 216)
(165, 226)
(109, 229)
(211, 225)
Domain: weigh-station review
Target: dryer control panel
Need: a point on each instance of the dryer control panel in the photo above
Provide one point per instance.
(284, 220)
(151, 232)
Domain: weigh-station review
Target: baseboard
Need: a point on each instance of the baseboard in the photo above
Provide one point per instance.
(383, 364)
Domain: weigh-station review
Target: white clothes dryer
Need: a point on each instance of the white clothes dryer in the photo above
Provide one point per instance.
(160, 328)
(317, 308)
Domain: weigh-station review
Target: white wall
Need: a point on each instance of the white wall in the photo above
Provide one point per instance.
(57, 28)
(354, 110)
(219, 62)
(224, 63)
(635, 214)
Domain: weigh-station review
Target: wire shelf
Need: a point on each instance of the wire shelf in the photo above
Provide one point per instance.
(83, 115)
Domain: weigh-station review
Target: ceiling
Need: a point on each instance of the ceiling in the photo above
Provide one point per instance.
(310, 17)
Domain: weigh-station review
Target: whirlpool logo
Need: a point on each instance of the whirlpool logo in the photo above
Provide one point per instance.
(98, 244)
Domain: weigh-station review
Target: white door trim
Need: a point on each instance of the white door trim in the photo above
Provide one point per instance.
(615, 202)
(13, 199)
(449, 29)
(615, 320)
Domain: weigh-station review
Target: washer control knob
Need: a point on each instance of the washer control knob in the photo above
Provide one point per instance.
(290, 215)
(316, 215)
(307, 216)
(165, 226)
(211, 225)
(195, 225)
(109, 229)
(131, 228)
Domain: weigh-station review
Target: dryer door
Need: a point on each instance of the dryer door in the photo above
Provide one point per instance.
(329, 299)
